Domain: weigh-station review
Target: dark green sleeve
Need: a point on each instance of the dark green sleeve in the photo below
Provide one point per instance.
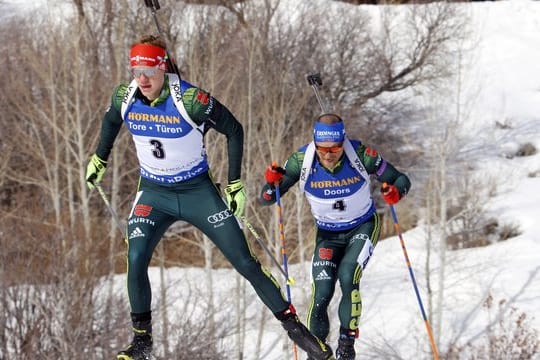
(383, 170)
(111, 124)
(203, 108)
(393, 176)
(293, 167)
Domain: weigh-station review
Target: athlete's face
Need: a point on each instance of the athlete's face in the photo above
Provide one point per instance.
(149, 79)
(329, 153)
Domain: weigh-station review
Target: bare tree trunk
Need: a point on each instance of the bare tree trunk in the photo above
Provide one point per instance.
(429, 240)
(443, 225)
(208, 246)
(164, 312)
(56, 82)
(240, 296)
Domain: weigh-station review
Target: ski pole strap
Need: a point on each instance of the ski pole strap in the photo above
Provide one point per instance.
(354, 159)
(309, 156)
(176, 93)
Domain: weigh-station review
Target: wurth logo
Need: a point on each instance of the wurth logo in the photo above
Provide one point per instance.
(141, 220)
(325, 263)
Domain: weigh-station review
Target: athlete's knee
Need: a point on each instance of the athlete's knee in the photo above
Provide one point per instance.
(247, 266)
(137, 258)
(349, 274)
(322, 294)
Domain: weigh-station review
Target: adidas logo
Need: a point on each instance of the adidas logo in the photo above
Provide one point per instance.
(323, 275)
(136, 233)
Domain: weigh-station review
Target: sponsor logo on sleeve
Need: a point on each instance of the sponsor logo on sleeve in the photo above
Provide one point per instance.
(203, 97)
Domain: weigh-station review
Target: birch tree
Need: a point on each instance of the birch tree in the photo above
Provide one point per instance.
(59, 79)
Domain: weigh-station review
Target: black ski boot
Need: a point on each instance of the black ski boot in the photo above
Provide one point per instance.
(316, 349)
(345, 349)
(141, 345)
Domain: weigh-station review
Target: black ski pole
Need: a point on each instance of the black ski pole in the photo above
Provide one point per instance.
(110, 208)
(154, 6)
(289, 279)
(316, 82)
(255, 234)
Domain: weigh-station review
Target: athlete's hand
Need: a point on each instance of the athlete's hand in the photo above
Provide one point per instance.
(95, 171)
(274, 173)
(390, 194)
(236, 197)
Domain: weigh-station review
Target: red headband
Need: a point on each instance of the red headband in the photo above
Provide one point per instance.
(146, 55)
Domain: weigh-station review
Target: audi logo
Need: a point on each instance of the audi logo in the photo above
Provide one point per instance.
(220, 216)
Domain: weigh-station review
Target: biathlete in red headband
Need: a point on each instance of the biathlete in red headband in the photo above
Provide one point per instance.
(167, 118)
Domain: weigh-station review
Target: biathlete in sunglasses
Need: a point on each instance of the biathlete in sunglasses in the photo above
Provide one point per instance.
(137, 72)
(335, 174)
(329, 149)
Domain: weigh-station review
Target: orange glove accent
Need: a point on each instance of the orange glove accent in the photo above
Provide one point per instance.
(273, 173)
(390, 194)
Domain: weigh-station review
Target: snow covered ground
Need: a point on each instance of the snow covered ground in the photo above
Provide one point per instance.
(505, 78)
(506, 72)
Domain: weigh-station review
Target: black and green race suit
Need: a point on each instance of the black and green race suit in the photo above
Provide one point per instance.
(159, 130)
(342, 249)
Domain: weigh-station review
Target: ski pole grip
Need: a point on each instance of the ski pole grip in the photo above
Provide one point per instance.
(154, 4)
(314, 79)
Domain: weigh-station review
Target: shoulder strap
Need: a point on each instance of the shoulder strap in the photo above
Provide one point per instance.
(309, 155)
(176, 93)
(354, 159)
(126, 101)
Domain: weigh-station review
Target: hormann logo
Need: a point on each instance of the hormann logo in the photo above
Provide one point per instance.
(335, 183)
(166, 119)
